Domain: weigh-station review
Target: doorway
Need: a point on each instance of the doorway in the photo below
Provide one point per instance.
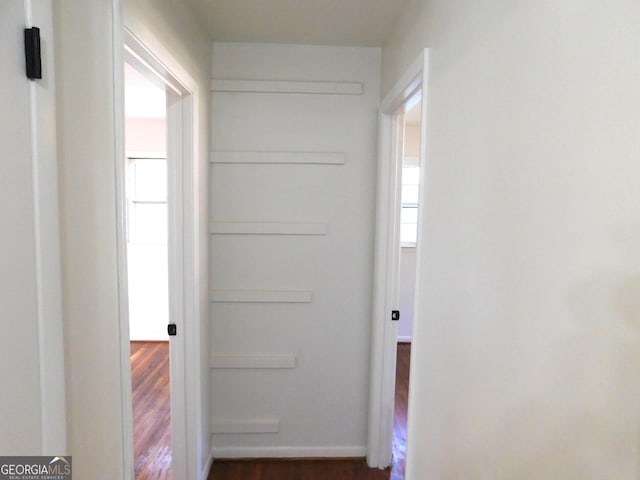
(401, 161)
(148, 271)
(174, 207)
(409, 214)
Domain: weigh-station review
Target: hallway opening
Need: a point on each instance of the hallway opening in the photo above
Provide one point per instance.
(409, 212)
(148, 272)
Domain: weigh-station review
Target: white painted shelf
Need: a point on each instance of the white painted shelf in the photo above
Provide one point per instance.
(287, 86)
(261, 296)
(225, 361)
(278, 157)
(226, 425)
(267, 228)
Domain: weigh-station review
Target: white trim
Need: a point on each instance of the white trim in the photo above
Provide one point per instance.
(285, 157)
(195, 278)
(290, 452)
(146, 155)
(176, 166)
(404, 338)
(412, 102)
(412, 443)
(405, 88)
(245, 425)
(142, 58)
(121, 242)
(261, 296)
(286, 86)
(385, 297)
(208, 464)
(225, 361)
(267, 228)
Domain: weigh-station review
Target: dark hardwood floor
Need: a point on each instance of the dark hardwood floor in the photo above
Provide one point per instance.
(351, 469)
(400, 415)
(270, 469)
(151, 410)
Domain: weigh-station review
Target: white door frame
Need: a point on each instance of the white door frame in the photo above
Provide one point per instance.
(387, 259)
(183, 248)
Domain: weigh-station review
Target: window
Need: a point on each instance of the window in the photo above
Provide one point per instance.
(409, 212)
(147, 200)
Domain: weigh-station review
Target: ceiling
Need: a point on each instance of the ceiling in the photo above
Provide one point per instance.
(142, 97)
(315, 22)
(413, 109)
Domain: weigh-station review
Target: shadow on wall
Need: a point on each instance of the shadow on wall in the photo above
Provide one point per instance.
(569, 405)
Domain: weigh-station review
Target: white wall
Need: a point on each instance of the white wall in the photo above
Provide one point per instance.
(148, 291)
(88, 231)
(320, 406)
(412, 140)
(32, 370)
(148, 135)
(526, 349)
(86, 151)
(407, 293)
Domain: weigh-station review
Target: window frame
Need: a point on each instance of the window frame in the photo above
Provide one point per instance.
(132, 200)
(409, 162)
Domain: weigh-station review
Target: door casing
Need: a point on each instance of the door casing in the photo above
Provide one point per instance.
(387, 259)
(183, 248)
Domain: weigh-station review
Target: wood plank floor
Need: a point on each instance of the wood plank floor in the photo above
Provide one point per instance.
(400, 415)
(151, 410)
(331, 469)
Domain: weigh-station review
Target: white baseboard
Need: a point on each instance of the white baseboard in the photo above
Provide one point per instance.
(404, 339)
(289, 452)
(207, 466)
